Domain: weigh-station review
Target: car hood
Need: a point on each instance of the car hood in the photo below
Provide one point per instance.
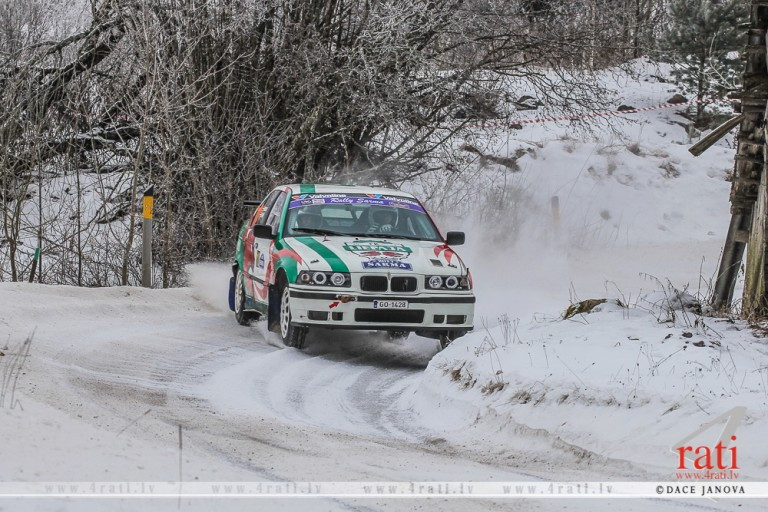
(373, 255)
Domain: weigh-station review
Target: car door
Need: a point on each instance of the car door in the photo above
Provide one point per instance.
(262, 247)
(251, 245)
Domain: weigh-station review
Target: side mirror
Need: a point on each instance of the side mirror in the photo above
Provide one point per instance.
(454, 238)
(263, 231)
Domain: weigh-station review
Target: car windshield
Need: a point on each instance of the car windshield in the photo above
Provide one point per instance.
(370, 215)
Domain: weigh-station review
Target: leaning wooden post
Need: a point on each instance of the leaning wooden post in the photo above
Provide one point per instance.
(730, 262)
(146, 238)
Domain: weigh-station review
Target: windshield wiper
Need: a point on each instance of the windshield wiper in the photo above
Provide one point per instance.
(319, 231)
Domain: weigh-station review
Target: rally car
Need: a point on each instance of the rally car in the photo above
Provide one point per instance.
(348, 257)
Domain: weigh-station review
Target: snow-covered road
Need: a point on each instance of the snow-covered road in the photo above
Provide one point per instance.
(123, 368)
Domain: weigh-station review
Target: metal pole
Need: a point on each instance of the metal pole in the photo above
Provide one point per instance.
(146, 238)
(35, 261)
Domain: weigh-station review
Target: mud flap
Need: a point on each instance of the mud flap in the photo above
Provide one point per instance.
(273, 309)
(232, 293)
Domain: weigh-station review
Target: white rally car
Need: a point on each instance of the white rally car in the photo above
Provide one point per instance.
(344, 257)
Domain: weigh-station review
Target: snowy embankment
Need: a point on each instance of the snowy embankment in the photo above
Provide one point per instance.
(624, 382)
(638, 215)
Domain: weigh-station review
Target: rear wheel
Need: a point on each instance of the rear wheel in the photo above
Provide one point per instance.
(242, 316)
(292, 334)
(445, 340)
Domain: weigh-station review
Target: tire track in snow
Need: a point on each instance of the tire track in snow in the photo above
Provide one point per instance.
(345, 381)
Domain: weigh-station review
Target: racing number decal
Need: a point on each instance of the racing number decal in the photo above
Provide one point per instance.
(261, 289)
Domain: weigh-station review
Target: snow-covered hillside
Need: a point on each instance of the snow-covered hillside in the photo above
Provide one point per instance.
(113, 378)
(640, 221)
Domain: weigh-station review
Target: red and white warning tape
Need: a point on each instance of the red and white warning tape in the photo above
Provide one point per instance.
(609, 113)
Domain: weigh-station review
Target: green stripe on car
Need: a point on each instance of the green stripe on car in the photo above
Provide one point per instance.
(288, 264)
(336, 264)
(306, 189)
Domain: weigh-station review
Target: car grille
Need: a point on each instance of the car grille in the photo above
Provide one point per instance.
(373, 283)
(403, 284)
(386, 316)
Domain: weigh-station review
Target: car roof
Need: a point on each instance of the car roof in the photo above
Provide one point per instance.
(343, 189)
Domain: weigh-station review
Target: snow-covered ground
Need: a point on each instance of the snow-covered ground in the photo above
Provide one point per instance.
(113, 375)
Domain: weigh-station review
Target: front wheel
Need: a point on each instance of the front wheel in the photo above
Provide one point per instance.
(292, 334)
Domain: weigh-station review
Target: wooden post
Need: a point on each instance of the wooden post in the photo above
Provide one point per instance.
(146, 238)
(715, 135)
(733, 252)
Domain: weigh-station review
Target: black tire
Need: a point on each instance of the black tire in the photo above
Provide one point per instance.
(293, 335)
(444, 340)
(398, 335)
(242, 316)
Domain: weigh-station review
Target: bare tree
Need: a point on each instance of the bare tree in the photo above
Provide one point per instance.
(214, 102)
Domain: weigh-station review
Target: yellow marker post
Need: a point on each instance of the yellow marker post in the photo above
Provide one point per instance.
(146, 238)
(149, 204)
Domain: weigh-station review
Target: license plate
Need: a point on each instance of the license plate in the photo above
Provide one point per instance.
(390, 304)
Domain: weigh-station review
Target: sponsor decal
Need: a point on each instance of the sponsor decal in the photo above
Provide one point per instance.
(385, 263)
(372, 248)
(299, 200)
(261, 259)
(380, 254)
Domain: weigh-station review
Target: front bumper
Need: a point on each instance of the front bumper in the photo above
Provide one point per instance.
(354, 310)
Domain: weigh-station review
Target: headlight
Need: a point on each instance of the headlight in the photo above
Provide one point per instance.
(338, 279)
(449, 282)
(319, 278)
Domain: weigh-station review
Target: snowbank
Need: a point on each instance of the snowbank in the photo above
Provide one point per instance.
(625, 381)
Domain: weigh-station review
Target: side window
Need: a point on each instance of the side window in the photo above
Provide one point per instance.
(273, 219)
(267, 205)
